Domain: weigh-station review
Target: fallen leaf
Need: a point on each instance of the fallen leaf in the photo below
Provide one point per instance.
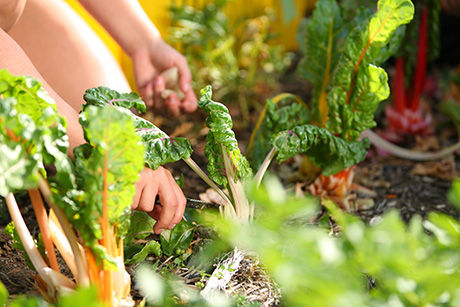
(444, 169)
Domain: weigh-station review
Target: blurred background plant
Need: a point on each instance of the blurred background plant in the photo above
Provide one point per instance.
(236, 59)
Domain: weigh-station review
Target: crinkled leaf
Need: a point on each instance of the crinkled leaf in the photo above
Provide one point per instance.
(276, 117)
(221, 141)
(357, 86)
(180, 238)
(108, 168)
(391, 48)
(52, 143)
(152, 247)
(322, 44)
(20, 162)
(102, 96)
(325, 150)
(159, 147)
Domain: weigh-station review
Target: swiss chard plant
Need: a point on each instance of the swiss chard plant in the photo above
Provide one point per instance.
(341, 57)
(407, 115)
(224, 169)
(90, 199)
(227, 168)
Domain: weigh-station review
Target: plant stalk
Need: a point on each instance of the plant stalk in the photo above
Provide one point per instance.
(26, 239)
(83, 278)
(399, 95)
(239, 196)
(263, 168)
(420, 69)
(43, 224)
(206, 179)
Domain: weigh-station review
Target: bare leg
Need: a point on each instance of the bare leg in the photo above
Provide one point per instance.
(66, 51)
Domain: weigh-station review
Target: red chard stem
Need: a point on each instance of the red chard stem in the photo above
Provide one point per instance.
(420, 70)
(399, 86)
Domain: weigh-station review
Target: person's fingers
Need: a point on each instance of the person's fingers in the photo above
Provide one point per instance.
(147, 93)
(173, 105)
(185, 75)
(156, 212)
(144, 73)
(168, 210)
(171, 198)
(190, 102)
(158, 87)
(144, 199)
(179, 214)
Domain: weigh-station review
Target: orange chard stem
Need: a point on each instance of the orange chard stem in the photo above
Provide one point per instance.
(42, 219)
(107, 239)
(93, 269)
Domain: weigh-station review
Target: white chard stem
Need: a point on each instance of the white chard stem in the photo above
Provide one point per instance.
(83, 278)
(206, 179)
(26, 238)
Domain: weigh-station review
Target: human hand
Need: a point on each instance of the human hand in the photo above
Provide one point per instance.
(148, 65)
(159, 182)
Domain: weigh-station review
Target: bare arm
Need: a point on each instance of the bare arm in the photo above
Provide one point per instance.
(126, 22)
(129, 25)
(13, 59)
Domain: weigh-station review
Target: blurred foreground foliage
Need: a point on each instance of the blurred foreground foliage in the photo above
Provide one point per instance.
(387, 263)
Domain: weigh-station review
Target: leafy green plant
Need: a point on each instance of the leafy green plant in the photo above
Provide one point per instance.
(226, 166)
(237, 59)
(387, 263)
(407, 114)
(341, 58)
(91, 197)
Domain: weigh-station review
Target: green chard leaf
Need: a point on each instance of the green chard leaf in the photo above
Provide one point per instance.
(108, 167)
(159, 147)
(322, 42)
(33, 134)
(358, 85)
(103, 96)
(325, 150)
(221, 141)
(20, 163)
(278, 115)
